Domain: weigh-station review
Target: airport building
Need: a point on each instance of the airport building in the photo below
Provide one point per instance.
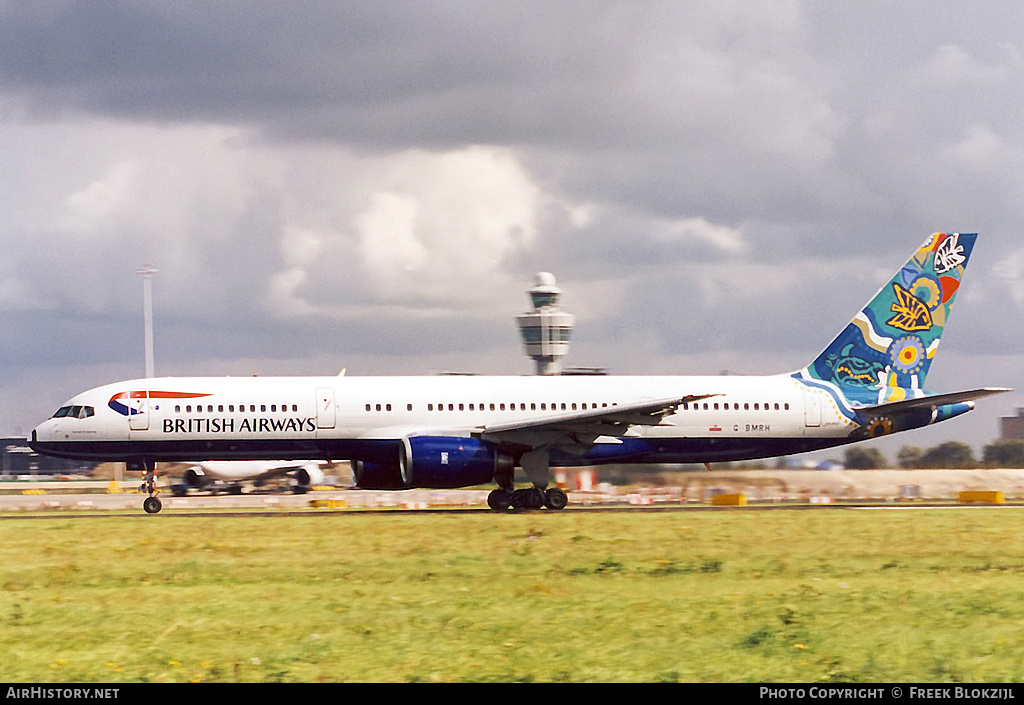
(17, 459)
(1012, 427)
(546, 329)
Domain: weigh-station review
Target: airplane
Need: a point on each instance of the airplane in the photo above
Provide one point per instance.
(459, 431)
(233, 476)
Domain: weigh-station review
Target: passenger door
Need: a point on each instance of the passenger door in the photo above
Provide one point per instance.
(325, 408)
(138, 411)
(812, 407)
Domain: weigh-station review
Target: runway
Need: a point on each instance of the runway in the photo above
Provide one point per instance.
(356, 502)
(762, 489)
(67, 499)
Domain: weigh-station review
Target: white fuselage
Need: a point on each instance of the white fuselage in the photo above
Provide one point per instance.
(333, 417)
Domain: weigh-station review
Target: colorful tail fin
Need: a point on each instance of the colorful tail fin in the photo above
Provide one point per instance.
(885, 352)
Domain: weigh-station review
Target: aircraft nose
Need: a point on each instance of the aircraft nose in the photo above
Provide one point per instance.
(40, 433)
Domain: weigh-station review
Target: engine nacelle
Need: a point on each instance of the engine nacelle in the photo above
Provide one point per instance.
(434, 462)
(308, 475)
(194, 477)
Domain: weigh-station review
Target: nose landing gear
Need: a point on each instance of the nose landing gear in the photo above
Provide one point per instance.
(152, 503)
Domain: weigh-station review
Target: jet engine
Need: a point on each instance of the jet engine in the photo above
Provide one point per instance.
(194, 477)
(433, 462)
(306, 476)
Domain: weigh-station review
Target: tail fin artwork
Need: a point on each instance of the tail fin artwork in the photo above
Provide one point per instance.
(883, 355)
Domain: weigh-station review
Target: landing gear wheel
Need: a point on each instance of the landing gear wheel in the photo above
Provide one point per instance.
(532, 498)
(555, 499)
(499, 500)
(518, 500)
(152, 505)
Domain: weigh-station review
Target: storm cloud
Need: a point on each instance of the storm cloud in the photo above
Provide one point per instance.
(371, 185)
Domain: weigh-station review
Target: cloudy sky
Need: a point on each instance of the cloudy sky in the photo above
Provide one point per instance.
(372, 185)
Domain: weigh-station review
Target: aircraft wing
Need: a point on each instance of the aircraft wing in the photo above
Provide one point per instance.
(585, 427)
(930, 401)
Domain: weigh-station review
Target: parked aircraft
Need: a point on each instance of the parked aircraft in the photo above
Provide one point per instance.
(233, 476)
(457, 431)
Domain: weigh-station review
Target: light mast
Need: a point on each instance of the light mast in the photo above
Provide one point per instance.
(147, 273)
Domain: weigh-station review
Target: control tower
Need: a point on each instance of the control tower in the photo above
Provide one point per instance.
(546, 329)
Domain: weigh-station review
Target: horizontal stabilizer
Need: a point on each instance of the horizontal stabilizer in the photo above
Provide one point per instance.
(931, 400)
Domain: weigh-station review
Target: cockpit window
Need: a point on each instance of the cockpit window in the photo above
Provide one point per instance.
(74, 412)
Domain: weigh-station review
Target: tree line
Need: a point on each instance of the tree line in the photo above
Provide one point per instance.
(950, 455)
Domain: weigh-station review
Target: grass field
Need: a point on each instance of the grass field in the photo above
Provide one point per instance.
(915, 595)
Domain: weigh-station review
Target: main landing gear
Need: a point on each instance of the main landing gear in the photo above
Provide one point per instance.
(536, 465)
(501, 499)
(152, 503)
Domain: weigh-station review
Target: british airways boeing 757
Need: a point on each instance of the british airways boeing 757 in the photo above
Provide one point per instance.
(458, 431)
